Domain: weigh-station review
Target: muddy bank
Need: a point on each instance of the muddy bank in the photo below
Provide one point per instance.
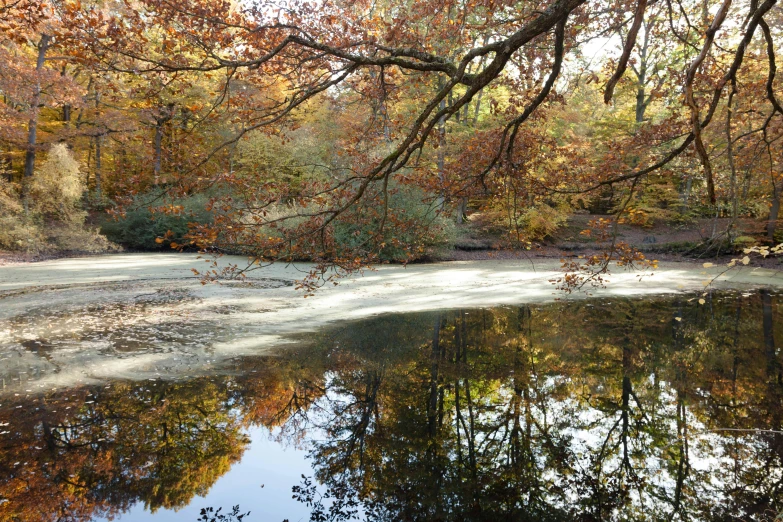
(81, 320)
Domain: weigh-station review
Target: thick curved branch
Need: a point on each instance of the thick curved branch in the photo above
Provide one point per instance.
(772, 67)
(720, 17)
(630, 41)
(512, 127)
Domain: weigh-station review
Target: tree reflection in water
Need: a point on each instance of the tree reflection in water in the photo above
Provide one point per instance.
(621, 409)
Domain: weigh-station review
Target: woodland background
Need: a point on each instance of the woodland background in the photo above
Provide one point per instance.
(353, 132)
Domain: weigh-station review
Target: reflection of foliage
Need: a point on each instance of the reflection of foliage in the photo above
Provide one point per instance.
(159, 444)
(619, 409)
(343, 504)
(515, 414)
(210, 514)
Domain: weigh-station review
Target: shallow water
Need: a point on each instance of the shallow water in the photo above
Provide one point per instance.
(603, 409)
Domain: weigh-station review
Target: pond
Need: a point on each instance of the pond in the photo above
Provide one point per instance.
(600, 409)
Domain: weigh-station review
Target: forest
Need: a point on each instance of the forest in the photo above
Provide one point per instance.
(349, 133)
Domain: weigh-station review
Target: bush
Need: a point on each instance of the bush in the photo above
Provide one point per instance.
(543, 220)
(140, 227)
(413, 227)
(742, 242)
(54, 219)
(57, 187)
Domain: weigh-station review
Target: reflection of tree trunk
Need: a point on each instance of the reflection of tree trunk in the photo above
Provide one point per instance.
(434, 416)
(459, 358)
(773, 367)
(432, 404)
(470, 431)
(627, 388)
(368, 403)
(735, 347)
(626, 406)
(773, 398)
(683, 463)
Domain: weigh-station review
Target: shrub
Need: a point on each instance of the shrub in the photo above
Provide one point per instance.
(412, 229)
(57, 187)
(742, 242)
(140, 226)
(543, 220)
(54, 219)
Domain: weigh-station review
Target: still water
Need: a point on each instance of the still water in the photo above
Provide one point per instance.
(611, 409)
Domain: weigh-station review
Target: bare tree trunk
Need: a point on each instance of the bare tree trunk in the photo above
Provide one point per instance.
(477, 110)
(442, 157)
(685, 193)
(32, 126)
(158, 149)
(641, 76)
(774, 210)
(6, 165)
(98, 140)
(98, 193)
(463, 204)
(164, 116)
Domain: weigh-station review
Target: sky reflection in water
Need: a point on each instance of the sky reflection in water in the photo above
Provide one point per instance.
(611, 409)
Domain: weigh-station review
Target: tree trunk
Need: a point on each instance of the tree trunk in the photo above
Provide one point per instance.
(463, 204)
(98, 140)
(442, 157)
(641, 77)
(158, 149)
(165, 115)
(774, 210)
(6, 165)
(32, 126)
(98, 194)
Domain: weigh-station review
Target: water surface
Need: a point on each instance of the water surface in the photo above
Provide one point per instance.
(605, 409)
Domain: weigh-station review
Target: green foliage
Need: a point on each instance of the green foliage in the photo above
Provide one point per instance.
(271, 158)
(413, 226)
(140, 226)
(742, 242)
